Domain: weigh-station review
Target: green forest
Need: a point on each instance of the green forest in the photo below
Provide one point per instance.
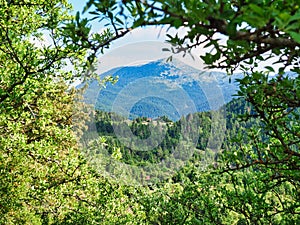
(236, 165)
(195, 145)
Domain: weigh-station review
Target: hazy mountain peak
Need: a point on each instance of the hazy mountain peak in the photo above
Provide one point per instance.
(162, 88)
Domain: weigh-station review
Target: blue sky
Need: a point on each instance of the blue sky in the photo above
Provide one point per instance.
(139, 46)
(142, 34)
(124, 51)
(78, 4)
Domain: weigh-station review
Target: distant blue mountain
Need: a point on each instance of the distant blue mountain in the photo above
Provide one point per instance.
(162, 88)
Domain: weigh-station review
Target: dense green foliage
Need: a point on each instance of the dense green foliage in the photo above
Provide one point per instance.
(45, 178)
(263, 164)
(197, 194)
(143, 127)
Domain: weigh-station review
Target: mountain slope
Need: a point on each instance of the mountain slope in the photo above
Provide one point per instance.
(162, 88)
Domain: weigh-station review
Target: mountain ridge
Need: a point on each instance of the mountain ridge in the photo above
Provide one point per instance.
(187, 89)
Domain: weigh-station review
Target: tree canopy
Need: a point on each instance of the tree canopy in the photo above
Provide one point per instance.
(44, 176)
(244, 35)
(254, 30)
(44, 179)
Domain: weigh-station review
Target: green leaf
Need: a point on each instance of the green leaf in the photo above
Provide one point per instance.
(231, 29)
(295, 36)
(110, 15)
(257, 9)
(177, 23)
(295, 17)
(77, 17)
(270, 68)
(88, 5)
(119, 20)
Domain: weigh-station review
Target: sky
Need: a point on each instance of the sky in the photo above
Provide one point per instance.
(143, 45)
(139, 46)
(137, 35)
(140, 34)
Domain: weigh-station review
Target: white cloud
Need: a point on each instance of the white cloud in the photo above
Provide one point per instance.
(133, 53)
(41, 42)
(143, 45)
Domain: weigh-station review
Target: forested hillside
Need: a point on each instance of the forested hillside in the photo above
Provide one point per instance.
(144, 127)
